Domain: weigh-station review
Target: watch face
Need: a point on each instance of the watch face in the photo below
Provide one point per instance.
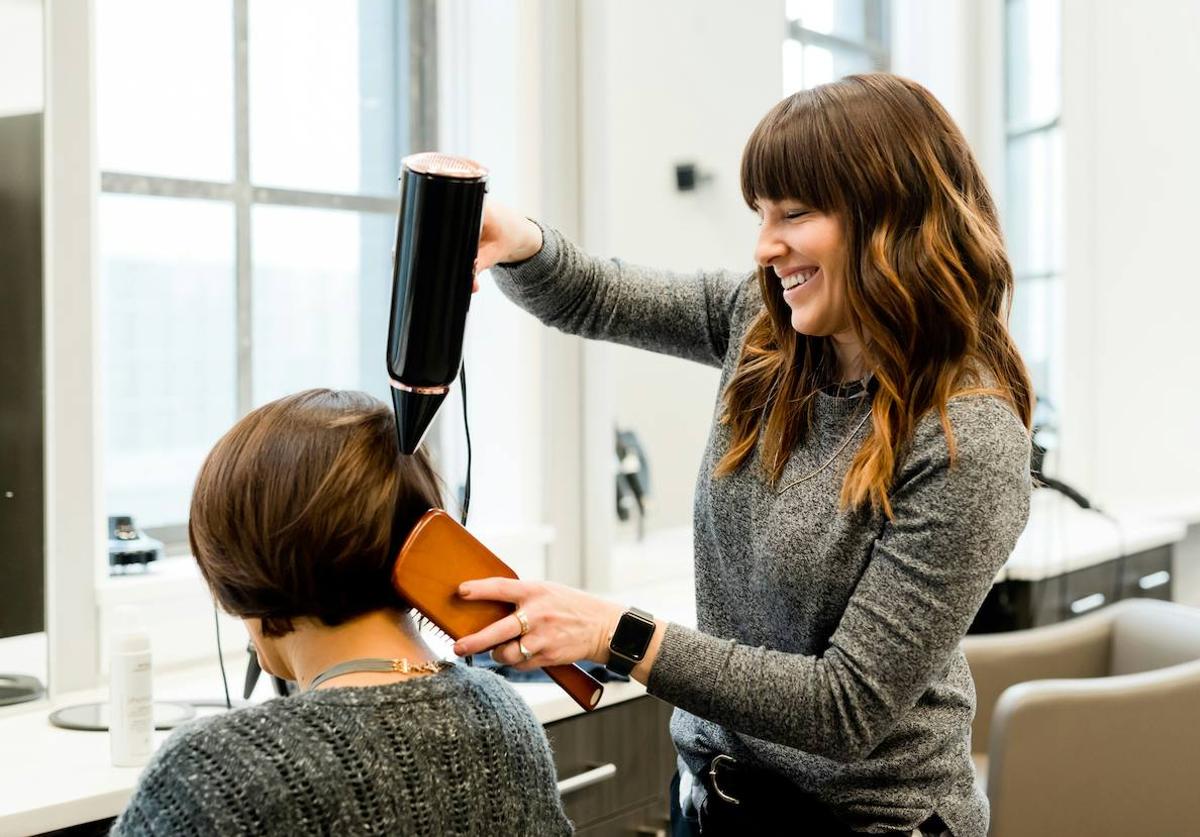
(632, 636)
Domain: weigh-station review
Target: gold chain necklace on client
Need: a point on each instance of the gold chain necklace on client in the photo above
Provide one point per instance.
(400, 666)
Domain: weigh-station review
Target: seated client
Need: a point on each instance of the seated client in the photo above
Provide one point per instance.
(297, 514)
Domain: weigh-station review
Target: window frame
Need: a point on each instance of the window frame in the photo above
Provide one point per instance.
(876, 46)
(416, 31)
(1051, 276)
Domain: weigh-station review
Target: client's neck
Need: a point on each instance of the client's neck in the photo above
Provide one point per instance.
(313, 647)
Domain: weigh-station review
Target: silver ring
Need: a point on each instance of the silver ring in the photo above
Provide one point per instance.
(525, 652)
(523, 619)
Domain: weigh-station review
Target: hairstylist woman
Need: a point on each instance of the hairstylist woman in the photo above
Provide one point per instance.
(866, 475)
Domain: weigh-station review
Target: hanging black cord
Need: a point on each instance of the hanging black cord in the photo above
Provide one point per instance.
(221, 657)
(466, 503)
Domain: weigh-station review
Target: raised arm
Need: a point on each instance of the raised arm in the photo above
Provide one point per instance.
(684, 315)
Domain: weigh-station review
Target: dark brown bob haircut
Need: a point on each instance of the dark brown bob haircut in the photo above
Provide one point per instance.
(299, 509)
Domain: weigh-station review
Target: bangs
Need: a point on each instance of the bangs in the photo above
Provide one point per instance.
(789, 155)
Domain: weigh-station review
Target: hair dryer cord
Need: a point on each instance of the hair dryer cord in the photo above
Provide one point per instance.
(466, 502)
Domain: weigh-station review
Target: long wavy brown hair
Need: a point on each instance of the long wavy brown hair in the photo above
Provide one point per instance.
(928, 284)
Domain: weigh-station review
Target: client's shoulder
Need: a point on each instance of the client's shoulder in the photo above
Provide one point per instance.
(199, 760)
(485, 688)
(475, 695)
(214, 745)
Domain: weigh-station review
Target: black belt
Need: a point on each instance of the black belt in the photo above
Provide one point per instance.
(741, 797)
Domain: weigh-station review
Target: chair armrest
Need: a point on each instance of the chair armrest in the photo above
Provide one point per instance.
(1100, 756)
(1079, 648)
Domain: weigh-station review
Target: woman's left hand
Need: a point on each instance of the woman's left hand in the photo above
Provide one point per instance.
(565, 625)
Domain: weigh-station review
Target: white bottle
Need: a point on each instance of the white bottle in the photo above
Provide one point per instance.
(131, 706)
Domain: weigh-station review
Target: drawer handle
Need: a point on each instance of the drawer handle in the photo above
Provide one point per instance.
(1158, 579)
(1087, 603)
(587, 778)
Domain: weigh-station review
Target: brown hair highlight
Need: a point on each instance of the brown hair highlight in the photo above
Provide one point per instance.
(928, 284)
(299, 509)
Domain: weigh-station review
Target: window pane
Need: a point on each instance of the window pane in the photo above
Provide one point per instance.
(167, 323)
(1033, 213)
(793, 66)
(820, 65)
(164, 88)
(322, 285)
(844, 18)
(1033, 32)
(323, 89)
(1037, 310)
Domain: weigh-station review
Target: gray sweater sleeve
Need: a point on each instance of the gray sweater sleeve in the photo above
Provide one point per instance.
(929, 571)
(685, 315)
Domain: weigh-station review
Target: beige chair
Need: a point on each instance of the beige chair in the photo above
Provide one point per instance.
(1091, 727)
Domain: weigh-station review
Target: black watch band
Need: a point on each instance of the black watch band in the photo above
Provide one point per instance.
(630, 640)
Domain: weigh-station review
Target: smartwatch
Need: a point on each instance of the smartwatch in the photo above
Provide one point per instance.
(630, 640)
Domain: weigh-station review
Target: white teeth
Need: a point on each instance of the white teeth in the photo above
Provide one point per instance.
(798, 278)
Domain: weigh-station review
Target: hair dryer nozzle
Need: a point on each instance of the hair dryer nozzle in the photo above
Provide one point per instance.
(414, 414)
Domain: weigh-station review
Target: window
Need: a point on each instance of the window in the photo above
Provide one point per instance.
(829, 39)
(249, 151)
(1033, 216)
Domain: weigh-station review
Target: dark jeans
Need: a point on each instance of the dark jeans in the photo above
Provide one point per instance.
(731, 821)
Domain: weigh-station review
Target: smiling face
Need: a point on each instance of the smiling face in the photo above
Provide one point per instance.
(805, 251)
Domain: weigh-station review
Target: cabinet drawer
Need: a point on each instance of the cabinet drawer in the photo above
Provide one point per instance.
(652, 820)
(1147, 574)
(621, 757)
(1091, 588)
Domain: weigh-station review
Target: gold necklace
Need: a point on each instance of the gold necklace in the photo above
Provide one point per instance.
(830, 460)
(373, 664)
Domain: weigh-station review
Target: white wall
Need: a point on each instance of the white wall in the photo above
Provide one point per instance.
(665, 83)
(75, 527)
(956, 50)
(483, 75)
(670, 81)
(678, 81)
(933, 42)
(1132, 119)
(21, 83)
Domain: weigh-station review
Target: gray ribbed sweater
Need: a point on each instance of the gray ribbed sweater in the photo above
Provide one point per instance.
(828, 641)
(456, 753)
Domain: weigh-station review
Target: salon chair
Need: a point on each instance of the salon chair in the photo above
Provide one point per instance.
(1091, 726)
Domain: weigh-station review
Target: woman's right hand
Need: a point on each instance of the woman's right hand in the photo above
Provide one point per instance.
(507, 236)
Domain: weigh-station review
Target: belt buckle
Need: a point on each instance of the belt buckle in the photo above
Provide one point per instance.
(712, 777)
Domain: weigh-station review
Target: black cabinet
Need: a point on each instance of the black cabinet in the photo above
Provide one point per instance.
(621, 760)
(22, 517)
(1013, 605)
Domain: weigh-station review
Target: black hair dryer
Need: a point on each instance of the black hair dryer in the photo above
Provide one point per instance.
(437, 239)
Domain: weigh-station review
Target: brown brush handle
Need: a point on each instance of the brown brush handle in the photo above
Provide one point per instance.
(438, 555)
(581, 686)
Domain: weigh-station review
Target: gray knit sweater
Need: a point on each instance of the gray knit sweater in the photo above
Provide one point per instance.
(828, 641)
(454, 753)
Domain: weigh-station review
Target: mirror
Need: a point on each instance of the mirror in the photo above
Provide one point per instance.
(23, 647)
